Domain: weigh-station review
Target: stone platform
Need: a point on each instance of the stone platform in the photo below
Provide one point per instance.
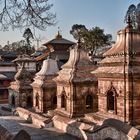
(14, 124)
(86, 130)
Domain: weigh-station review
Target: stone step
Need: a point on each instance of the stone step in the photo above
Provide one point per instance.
(96, 118)
(75, 127)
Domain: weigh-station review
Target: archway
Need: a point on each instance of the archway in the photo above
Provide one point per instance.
(110, 101)
(89, 102)
(13, 100)
(63, 101)
(29, 101)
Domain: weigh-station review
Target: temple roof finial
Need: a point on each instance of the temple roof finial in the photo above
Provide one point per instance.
(58, 36)
(129, 23)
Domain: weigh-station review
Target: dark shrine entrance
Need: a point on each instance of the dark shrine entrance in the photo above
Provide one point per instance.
(13, 101)
(37, 101)
(108, 138)
(29, 101)
(54, 101)
(110, 101)
(63, 101)
(89, 102)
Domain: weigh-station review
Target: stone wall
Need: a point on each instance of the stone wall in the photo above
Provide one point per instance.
(45, 98)
(75, 98)
(117, 87)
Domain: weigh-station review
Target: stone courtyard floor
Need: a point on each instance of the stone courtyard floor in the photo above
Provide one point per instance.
(14, 124)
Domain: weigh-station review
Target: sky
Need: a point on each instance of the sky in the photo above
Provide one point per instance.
(106, 14)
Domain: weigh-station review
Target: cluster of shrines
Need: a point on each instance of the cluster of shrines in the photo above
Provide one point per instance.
(111, 88)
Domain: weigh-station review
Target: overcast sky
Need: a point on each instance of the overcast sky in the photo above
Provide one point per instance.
(107, 14)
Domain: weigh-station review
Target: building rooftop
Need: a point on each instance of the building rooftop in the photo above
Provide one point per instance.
(59, 40)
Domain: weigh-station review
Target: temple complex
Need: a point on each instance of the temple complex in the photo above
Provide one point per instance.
(90, 100)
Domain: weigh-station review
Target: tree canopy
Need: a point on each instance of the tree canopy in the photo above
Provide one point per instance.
(26, 13)
(19, 47)
(134, 13)
(91, 39)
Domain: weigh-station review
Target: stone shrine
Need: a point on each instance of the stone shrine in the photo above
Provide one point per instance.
(119, 78)
(76, 86)
(44, 88)
(20, 90)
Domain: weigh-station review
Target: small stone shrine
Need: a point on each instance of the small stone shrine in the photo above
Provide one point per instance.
(29, 62)
(20, 90)
(44, 88)
(76, 86)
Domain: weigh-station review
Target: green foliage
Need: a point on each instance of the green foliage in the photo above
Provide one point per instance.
(134, 13)
(91, 39)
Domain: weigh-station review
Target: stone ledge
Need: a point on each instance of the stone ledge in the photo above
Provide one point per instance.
(34, 118)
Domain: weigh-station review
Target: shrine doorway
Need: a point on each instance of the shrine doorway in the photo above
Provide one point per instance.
(63, 101)
(13, 100)
(108, 138)
(89, 102)
(37, 101)
(29, 101)
(54, 101)
(110, 101)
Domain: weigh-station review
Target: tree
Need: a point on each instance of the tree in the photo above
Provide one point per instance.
(91, 39)
(26, 13)
(28, 35)
(77, 31)
(134, 13)
(19, 47)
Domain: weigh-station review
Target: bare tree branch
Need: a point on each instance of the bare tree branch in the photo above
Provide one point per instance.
(26, 13)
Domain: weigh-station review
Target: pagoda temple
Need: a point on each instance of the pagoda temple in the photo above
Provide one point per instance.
(57, 49)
